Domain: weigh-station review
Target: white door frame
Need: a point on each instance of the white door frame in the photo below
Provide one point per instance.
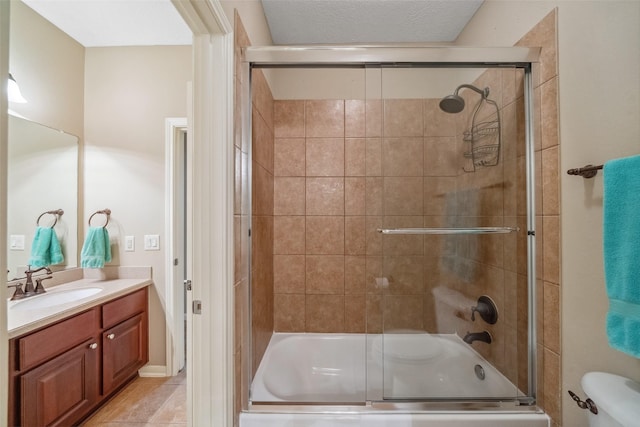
(210, 370)
(4, 71)
(174, 291)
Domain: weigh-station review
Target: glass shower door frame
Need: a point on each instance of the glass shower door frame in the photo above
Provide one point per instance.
(426, 57)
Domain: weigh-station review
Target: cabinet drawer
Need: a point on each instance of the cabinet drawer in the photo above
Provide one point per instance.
(123, 308)
(47, 343)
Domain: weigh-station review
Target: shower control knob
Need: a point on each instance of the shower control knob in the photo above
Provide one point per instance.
(487, 310)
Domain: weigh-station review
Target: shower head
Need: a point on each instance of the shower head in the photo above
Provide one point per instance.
(455, 103)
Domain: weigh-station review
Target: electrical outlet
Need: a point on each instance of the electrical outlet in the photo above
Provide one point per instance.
(129, 243)
(151, 242)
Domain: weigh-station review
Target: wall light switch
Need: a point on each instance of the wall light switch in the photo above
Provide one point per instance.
(16, 242)
(129, 243)
(151, 242)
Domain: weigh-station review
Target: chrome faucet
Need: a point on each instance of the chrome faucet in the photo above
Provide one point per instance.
(28, 286)
(483, 336)
(29, 290)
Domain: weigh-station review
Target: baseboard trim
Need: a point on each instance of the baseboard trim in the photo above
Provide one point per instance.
(153, 371)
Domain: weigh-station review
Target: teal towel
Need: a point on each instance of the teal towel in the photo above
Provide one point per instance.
(96, 249)
(622, 252)
(45, 248)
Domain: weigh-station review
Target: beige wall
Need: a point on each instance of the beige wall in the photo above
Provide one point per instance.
(599, 110)
(129, 92)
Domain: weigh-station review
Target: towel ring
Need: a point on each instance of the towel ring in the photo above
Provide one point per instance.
(106, 212)
(56, 213)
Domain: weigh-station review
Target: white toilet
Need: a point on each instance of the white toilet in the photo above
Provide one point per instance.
(617, 399)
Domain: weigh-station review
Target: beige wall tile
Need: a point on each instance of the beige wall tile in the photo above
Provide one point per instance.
(263, 191)
(373, 195)
(403, 117)
(354, 116)
(325, 196)
(325, 156)
(289, 274)
(289, 157)
(262, 98)
(325, 274)
(354, 275)
(289, 313)
(550, 165)
(551, 249)
(373, 239)
(325, 235)
(324, 118)
(288, 119)
(325, 313)
(551, 328)
(289, 196)
(373, 117)
(374, 314)
(354, 236)
(549, 113)
(373, 272)
(402, 312)
(403, 156)
(289, 235)
(403, 196)
(355, 314)
(405, 274)
(552, 379)
(438, 193)
(441, 156)
(373, 157)
(354, 196)
(436, 121)
(354, 157)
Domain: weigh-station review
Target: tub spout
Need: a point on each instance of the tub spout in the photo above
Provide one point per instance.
(483, 336)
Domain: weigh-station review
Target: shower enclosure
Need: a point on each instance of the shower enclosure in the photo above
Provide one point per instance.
(392, 227)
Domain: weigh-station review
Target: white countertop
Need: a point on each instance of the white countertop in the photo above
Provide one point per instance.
(22, 321)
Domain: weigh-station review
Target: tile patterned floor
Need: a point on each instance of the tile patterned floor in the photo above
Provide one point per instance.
(146, 402)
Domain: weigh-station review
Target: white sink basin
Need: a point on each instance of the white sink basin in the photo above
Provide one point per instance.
(53, 298)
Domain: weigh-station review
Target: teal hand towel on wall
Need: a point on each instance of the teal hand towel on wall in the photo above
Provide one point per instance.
(96, 250)
(622, 252)
(45, 248)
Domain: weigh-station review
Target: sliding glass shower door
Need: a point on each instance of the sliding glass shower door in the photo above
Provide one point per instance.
(447, 233)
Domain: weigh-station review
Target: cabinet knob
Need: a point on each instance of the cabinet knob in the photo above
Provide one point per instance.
(111, 336)
(93, 346)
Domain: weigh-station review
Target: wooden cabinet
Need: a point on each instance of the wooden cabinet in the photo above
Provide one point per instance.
(124, 352)
(62, 372)
(63, 389)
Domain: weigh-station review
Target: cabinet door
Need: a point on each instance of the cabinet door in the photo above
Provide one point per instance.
(62, 390)
(124, 351)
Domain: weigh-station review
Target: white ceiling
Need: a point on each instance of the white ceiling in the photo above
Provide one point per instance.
(94, 23)
(367, 21)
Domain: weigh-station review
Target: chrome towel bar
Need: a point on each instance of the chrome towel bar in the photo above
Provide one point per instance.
(472, 230)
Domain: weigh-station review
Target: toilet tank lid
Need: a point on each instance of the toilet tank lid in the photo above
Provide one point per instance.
(618, 396)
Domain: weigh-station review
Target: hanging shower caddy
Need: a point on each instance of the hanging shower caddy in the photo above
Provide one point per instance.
(484, 137)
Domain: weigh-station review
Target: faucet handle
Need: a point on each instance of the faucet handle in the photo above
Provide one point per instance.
(18, 293)
(39, 288)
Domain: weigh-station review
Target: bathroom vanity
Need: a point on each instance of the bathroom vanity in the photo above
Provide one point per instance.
(64, 365)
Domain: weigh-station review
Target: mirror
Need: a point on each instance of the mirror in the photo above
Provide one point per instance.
(42, 176)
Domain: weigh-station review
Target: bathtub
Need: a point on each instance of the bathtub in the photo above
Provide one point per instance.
(327, 374)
